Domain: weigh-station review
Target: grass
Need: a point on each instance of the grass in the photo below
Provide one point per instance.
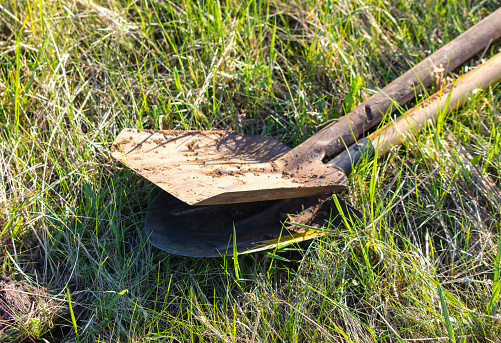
(421, 265)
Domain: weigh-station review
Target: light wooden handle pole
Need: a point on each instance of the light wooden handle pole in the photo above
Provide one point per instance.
(445, 101)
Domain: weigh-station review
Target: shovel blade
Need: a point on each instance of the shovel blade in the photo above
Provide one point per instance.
(220, 167)
(208, 231)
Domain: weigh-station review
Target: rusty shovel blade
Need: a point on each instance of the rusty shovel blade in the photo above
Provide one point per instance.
(220, 167)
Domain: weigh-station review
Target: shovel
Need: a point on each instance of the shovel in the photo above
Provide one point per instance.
(221, 167)
(176, 226)
(209, 231)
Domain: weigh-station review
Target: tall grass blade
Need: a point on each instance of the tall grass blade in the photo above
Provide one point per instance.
(445, 314)
(72, 314)
(235, 255)
(113, 302)
(496, 283)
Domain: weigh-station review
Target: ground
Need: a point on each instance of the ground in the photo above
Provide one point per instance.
(421, 264)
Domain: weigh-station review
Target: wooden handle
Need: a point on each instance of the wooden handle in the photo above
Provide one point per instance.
(448, 99)
(346, 130)
(369, 113)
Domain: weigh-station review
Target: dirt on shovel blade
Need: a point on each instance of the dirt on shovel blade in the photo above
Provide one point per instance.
(220, 167)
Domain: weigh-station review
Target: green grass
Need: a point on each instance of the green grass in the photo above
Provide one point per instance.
(421, 265)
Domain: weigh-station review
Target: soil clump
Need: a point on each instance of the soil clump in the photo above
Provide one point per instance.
(26, 311)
